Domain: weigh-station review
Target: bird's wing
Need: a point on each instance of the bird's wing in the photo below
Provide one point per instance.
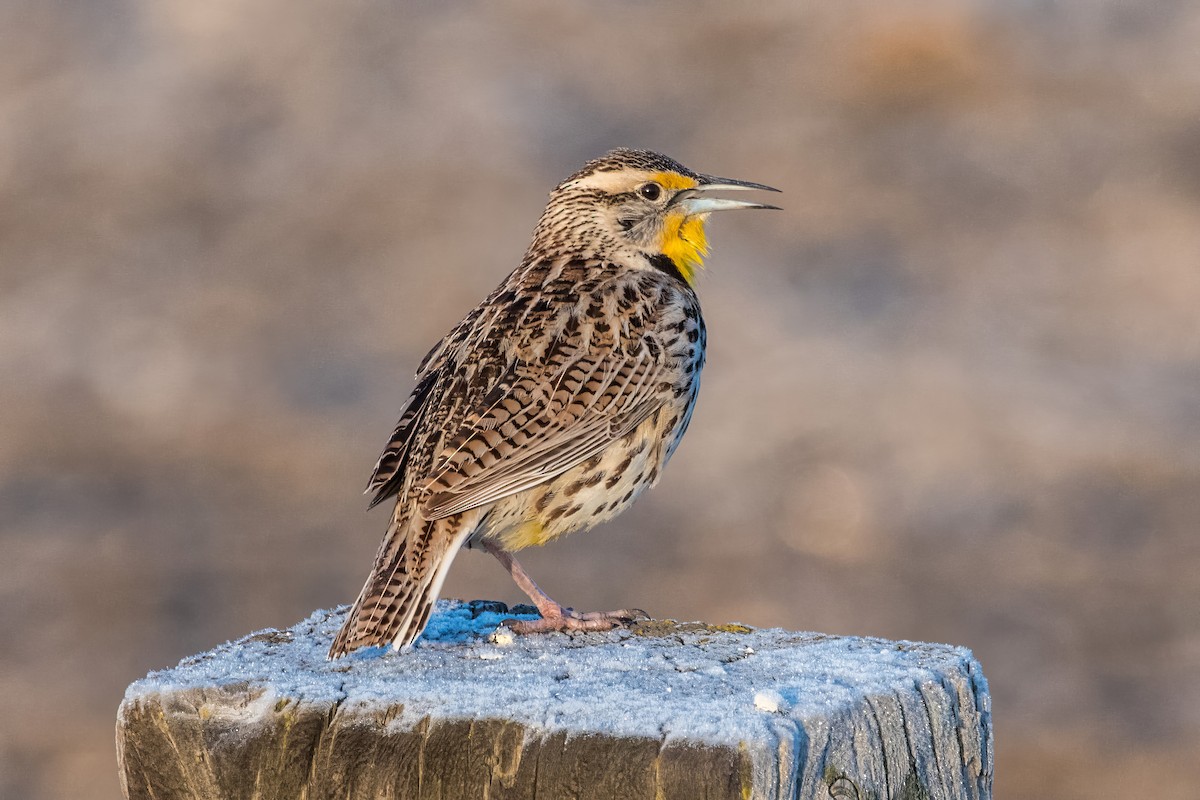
(390, 470)
(389, 473)
(543, 416)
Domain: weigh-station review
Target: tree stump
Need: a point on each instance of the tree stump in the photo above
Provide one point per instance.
(656, 710)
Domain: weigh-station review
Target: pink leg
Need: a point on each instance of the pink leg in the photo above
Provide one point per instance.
(555, 617)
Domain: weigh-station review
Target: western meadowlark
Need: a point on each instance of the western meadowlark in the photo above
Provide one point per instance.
(556, 401)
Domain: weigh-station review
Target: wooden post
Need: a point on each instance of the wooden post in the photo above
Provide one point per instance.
(659, 710)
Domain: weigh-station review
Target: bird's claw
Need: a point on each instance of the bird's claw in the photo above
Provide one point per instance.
(568, 619)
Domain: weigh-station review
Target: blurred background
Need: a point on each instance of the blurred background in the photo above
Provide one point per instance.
(953, 390)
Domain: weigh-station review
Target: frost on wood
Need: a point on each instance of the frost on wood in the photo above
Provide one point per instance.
(659, 710)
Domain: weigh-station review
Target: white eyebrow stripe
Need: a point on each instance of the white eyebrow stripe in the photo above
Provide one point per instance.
(614, 182)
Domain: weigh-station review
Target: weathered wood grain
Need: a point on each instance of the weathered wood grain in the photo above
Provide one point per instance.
(659, 712)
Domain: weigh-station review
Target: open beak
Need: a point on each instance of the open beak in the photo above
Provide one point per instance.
(696, 201)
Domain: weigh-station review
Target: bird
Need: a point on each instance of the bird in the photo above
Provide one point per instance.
(556, 401)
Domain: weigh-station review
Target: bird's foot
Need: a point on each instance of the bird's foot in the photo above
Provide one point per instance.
(560, 618)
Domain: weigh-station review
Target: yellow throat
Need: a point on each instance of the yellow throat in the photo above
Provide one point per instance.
(685, 243)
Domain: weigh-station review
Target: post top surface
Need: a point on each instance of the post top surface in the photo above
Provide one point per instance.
(717, 684)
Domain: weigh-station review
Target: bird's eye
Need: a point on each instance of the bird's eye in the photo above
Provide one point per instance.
(650, 191)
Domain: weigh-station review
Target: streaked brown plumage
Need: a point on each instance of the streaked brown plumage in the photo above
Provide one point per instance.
(556, 401)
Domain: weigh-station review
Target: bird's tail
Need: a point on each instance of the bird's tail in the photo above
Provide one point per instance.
(404, 583)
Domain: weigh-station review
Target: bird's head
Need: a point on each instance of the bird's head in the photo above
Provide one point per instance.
(644, 202)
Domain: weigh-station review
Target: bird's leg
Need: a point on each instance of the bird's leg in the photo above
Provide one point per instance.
(555, 617)
(545, 604)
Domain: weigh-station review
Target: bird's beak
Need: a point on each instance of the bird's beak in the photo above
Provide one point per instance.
(695, 201)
